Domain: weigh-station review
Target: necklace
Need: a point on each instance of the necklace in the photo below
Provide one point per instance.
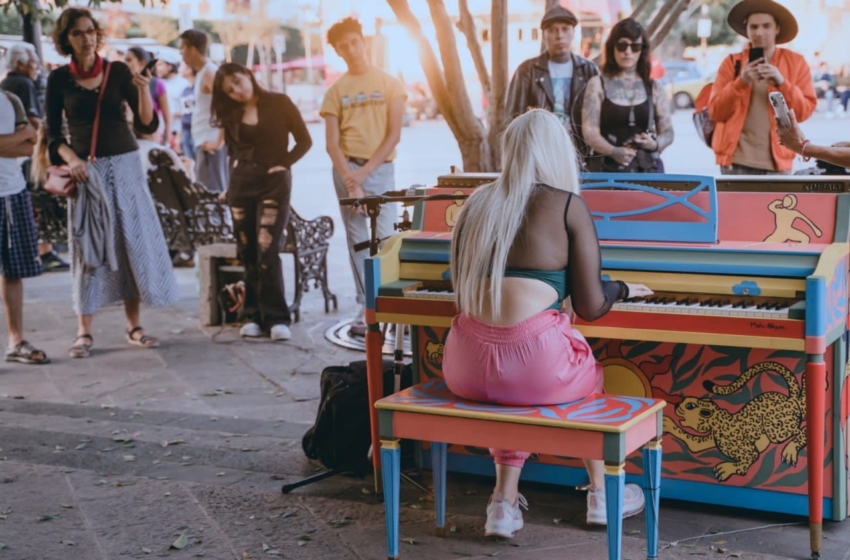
(630, 97)
(81, 74)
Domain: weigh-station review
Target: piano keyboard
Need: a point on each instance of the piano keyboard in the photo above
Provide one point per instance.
(718, 306)
(667, 302)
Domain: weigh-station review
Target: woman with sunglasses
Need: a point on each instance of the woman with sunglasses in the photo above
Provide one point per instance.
(626, 114)
(74, 91)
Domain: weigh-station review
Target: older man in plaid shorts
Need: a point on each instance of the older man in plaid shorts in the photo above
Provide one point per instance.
(18, 238)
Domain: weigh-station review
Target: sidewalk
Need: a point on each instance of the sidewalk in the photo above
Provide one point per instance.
(117, 456)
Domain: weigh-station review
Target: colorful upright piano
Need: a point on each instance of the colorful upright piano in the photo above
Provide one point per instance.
(745, 336)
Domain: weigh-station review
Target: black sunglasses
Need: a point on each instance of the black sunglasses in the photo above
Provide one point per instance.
(624, 46)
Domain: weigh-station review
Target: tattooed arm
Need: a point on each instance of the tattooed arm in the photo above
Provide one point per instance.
(591, 116)
(663, 120)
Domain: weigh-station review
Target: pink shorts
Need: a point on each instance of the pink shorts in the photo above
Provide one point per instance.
(539, 361)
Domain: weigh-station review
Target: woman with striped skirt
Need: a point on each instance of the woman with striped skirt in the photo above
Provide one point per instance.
(144, 272)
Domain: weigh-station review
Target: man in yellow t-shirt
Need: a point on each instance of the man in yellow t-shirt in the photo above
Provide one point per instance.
(363, 113)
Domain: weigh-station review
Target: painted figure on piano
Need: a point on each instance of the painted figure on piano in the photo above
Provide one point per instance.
(743, 436)
(521, 246)
(453, 211)
(786, 213)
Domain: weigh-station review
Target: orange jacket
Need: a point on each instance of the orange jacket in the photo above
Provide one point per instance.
(730, 101)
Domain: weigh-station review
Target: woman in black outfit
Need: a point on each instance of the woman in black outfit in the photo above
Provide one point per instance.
(257, 125)
(626, 114)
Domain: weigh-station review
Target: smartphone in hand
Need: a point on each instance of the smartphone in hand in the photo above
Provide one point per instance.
(756, 53)
(780, 108)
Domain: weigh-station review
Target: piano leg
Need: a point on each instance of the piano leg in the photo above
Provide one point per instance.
(375, 376)
(815, 404)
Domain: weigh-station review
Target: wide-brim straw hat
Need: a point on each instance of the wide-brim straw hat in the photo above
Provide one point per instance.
(737, 18)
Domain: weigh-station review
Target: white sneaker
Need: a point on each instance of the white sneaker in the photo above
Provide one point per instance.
(633, 503)
(281, 332)
(250, 330)
(358, 325)
(504, 518)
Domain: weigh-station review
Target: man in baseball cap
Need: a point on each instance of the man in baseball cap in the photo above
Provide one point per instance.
(745, 140)
(556, 79)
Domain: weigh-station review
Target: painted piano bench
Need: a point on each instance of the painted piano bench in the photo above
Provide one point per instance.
(603, 427)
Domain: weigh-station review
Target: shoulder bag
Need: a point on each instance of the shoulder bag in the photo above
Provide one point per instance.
(59, 181)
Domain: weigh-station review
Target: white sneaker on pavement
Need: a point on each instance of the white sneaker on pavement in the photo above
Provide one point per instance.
(358, 325)
(504, 518)
(250, 330)
(633, 503)
(281, 332)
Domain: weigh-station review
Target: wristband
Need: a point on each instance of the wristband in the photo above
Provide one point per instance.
(803, 149)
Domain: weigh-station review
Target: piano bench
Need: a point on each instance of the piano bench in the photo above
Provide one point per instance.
(604, 427)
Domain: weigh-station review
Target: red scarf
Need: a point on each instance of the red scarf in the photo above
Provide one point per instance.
(95, 71)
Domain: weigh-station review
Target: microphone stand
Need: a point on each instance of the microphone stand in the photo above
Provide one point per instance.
(373, 204)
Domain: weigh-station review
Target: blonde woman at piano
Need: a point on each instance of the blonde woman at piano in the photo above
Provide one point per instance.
(523, 245)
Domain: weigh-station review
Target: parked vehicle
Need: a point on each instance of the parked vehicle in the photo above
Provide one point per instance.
(685, 81)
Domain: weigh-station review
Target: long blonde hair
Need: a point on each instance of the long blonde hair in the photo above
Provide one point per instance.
(536, 148)
(40, 157)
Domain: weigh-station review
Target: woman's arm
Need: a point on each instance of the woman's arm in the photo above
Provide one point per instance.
(795, 140)
(165, 108)
(591, 114)
(136, 90)
(54, 109)
(663, 120)
(303, 142)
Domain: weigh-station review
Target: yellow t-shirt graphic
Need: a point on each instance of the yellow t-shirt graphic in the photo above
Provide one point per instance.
(361, 103)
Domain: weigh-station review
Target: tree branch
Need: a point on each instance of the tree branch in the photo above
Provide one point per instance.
(430, 64)
(499, 45)
(639, 9)
(662, 32)
(660, 16)
(466, 25)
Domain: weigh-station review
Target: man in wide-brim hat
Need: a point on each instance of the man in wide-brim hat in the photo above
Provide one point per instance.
(745, 140)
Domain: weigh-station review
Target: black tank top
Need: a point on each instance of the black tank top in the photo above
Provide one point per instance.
(618, 124)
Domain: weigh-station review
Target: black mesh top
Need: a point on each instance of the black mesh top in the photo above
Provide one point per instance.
(555, 236)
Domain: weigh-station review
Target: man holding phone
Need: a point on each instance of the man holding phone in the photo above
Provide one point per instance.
(745, 141)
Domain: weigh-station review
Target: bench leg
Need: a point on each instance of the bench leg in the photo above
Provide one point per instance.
(391, 470)
(652, 493)
(438, 470)
(615, 483)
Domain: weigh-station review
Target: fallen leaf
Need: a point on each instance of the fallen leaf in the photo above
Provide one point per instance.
(340, 522)
(719, 542)
(220, 474)
(81, 446)
(266, 547)
(2, 546)
(48, 517)
(302, 543)
(166, 443)
(182, 541)
(129, 458)
(305, 538)
(557, 521)
(66, 506)
(68, 543)
(289, 514)
(146, 550)
(365, 490)
(634, 532)
(409, 540)
(460, 553)
(415, 506)
(246, 555)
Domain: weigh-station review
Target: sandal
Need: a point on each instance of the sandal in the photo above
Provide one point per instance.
(144, 341)
(24, 353)
(81, 350)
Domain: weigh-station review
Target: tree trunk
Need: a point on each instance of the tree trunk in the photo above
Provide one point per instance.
(496, 109)
(667, 26)
(471, 130)
(661, 16)
(466, 25)
(639, 9)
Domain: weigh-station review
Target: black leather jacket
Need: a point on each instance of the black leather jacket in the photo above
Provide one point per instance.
(531, 87)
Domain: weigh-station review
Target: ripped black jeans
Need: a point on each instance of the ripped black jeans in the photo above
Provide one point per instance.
(259, 203)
